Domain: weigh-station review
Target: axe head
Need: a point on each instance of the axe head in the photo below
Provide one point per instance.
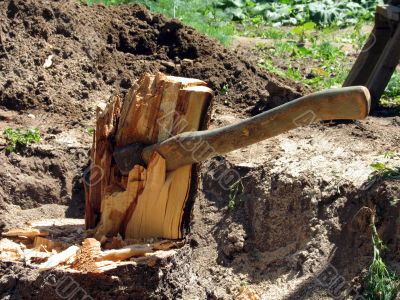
(126, 157)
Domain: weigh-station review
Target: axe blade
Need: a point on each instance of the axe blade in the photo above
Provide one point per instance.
(126, 157)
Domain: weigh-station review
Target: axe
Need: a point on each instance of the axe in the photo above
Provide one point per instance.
(350, 103)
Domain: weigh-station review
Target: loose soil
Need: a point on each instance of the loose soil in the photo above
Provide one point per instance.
(299, 212)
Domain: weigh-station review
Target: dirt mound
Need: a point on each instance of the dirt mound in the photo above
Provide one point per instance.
(96, 52)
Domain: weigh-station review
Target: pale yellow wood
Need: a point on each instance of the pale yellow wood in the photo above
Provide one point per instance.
(140, 221)
(139, 112)
(159, 207)
(10, 251)
(190, 111)
(86, 256)
(29, 233)
(101, 158)
(59, 258)
(116, 203)
(156, 108)
(165, 120)
(177, 195)
(186, 81)
(161, 215)
(57, 222)
(47, 245)
(125, 253)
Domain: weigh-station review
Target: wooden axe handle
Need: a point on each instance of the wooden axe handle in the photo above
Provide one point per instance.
(350, 103)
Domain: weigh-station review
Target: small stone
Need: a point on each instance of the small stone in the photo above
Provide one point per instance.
(125, 83)
(168, 64)
(187, 62)
(49, 62)
(85, 94)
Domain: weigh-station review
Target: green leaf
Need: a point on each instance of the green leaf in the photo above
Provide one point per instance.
(235, 13)
(91, 131)
(378, 166)
(237, 3)
(16, 138)
(309, 25)
(257, 20)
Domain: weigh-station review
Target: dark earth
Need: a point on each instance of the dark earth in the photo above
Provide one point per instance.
(302, 208)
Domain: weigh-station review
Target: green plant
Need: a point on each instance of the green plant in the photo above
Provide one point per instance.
(297, 12)
(244, 283)
(358, 38)
(224, 90)
(108, 2)
(390, 154)
(91, 131)
(269, 65)
(326, 64)
(380, 283)
(234, 191)
(273, 33)
(384, 171)
(16, 138)
(301, 30)
(391, 97)
(261, 29)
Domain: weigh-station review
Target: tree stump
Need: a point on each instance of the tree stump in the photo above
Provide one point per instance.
(135, 223)
(150, 202)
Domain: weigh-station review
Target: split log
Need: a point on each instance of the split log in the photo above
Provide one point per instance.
(150, 202)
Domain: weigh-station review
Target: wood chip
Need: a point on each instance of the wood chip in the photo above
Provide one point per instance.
(162, 254)
(10, 251)
(36, 257)
(47, 245)
(57, 222)
(136, 250)
(59, 258)
(125, 253)
(164, 245)
(48, 62)
(246, 293)
(88, 254)
(30, 233)
(107, 265)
